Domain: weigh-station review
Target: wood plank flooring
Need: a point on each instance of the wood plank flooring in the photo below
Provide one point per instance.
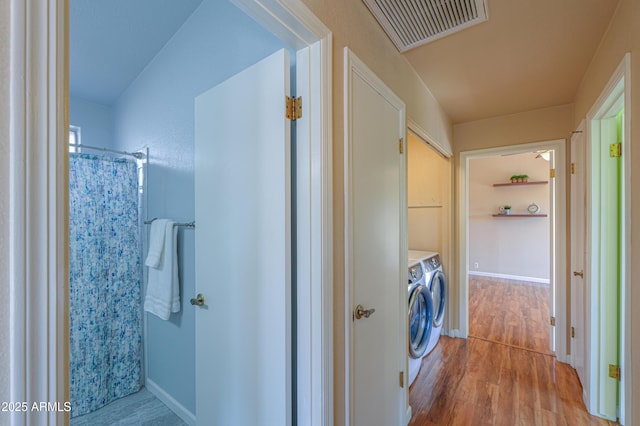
(477, 382)
(506, 374)
(511, 312)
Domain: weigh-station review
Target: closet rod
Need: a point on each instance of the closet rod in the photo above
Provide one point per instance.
(185, 224)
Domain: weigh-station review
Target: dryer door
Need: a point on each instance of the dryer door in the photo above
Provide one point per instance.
(420, 320)
(438, 286)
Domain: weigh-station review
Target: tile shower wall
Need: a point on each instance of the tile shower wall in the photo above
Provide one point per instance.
(157, 110)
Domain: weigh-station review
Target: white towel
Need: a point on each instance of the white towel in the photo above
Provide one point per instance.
(156, 242)
(163, 290)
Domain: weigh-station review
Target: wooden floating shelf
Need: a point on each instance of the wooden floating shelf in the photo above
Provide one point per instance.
(542, 182)
(520, 215)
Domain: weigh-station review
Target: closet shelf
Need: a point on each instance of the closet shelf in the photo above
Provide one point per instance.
(542, 182)
(520, 215)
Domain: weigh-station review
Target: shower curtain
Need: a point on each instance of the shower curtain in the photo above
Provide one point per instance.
(105, 281)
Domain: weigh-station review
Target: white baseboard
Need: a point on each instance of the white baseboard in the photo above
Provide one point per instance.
(187, 416)
(408, 415)
(510, 277)
(455, 333)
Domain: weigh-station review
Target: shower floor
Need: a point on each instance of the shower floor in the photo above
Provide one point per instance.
(141, 408)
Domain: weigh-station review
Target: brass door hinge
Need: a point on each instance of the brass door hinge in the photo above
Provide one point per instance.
(552, 173)
(615, 150)
(402, 379)
(573, 332)
(553, 321)
(401, 145)
(573, 168)
(293, 108)
(614, 372)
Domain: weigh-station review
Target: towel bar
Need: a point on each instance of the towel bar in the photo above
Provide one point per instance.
(185, 224)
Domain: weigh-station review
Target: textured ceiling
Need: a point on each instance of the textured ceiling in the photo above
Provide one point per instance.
(111, 41)
(528, 55)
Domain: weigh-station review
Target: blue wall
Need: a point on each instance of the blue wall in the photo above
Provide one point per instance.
(157, 110)
(95, 121)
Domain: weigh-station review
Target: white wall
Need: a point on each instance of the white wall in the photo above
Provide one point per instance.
(514, 246)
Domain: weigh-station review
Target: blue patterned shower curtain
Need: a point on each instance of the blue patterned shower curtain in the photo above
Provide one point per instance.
(105, 281)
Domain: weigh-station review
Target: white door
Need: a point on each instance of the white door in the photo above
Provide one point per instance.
(377, 252)
(242, 181)
(578, 231)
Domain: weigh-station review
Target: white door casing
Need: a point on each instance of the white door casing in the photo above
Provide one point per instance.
(376, 249)
(243, 248)
(602, 306)
(558, 239)
(41, 27)
(578, 230)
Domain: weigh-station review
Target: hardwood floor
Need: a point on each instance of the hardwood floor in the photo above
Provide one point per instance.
(505, 375)
(477, 382)
(511, 312)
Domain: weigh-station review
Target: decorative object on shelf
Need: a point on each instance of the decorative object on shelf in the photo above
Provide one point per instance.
(533, 208)
(516, 183)
(507, 209)
(519, 178)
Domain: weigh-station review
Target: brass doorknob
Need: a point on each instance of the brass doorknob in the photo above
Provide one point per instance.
(360, 312)
(198, 301)
(578, 274)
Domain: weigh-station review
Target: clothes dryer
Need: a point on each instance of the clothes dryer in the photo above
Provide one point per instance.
(437, 284)
(420, 319)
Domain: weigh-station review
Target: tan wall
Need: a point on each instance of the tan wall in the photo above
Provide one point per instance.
(429, 200)
(516, 246)
(4, 208)
(622, 36)
(353, 25)
(532, 126)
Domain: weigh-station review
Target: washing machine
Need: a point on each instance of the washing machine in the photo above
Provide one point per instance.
(437, 283)
(420, 314)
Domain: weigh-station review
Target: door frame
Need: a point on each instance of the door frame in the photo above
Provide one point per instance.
(38, 265)
(611, 92)
(353, 65)
(577, 258)
(558, 237)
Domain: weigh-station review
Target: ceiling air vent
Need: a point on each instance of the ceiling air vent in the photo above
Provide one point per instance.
(411, 23)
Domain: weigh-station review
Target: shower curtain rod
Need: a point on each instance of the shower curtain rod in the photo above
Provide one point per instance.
(137, 155)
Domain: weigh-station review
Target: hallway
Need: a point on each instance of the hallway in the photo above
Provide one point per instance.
(476, 382)
(504, 373)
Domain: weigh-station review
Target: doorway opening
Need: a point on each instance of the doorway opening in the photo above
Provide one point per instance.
(477, 211)
(510, 250)
(43, 364)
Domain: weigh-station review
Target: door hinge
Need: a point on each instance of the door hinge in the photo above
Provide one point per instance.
(573, 168)
(573, 332)
(552, 173)
(553, 321)
(615, 150)
(402, 379)
(293, 108)
(401, 145)
(614, 372)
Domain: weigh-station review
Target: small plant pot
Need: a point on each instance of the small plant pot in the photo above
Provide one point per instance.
(507, 211)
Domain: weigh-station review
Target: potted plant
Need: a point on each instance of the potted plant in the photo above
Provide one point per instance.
(514, 178)
(524, 178)
(507, 209)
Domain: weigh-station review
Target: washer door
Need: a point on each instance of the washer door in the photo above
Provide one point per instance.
(438, 287)
(420, 320)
